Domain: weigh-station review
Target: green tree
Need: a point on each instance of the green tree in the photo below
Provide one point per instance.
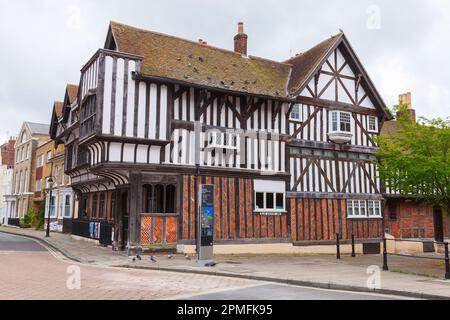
(415, 160)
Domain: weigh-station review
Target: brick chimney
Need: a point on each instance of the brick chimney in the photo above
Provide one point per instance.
(240, 40)
(405, 98)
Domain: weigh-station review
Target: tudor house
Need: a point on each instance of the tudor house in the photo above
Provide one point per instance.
(287, 145)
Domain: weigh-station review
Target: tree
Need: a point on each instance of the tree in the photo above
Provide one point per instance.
(415, 160)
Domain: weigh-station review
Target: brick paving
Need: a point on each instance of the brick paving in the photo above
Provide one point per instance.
(322, 271)
(39, 275)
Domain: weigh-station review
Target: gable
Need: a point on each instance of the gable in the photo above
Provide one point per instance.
(340, 77)
(336, 80)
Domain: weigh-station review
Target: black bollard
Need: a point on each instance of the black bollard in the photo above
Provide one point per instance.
(385, 263)
(338, 248)
(447, 262)
(353, 246)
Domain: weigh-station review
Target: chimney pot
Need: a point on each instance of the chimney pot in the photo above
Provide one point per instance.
(240, 40)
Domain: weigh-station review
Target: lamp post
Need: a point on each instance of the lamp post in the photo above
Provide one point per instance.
(50, 182)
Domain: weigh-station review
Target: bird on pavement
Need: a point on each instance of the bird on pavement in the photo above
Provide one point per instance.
(152, 258)
(187, 257)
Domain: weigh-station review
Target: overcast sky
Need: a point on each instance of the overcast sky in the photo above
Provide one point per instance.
(404, 45)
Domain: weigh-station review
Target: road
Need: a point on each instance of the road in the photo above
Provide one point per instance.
(30, 271)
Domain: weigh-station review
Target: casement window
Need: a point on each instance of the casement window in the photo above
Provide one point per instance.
(296, 113)
(39, 185)
(39, 162)
(374, 208)
(340, 122)
(52, 207)
(223, 140)
(364, 209)
(49, 156)
(269, 196)
(373, 124)
(67, 206)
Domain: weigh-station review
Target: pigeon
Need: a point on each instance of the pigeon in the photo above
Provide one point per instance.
(187, 257)
(139, 257)
(169, 256)
(210, 264)
(152, 258)
(134, 259)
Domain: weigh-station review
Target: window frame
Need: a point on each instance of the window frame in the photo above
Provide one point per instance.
(275, 194)
(67, 206)
(360, 209)
(336, 119)
(299, 112)
(375, 130)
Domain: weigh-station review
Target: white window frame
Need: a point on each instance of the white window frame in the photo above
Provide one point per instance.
(339, 121)
(296, 115)
(269, 187)
(39, 162)
(375, 119)
(223, 140)
(39, 185)
(362, 209)
(55, 206)
(67, 206)
(48, 156)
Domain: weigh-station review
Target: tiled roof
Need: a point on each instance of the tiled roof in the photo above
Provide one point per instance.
(390, 128)
(305, 63)
(72, 91)
(183, 60)
(38, 128)
(58, 108)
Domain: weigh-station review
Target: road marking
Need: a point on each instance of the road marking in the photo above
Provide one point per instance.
(191, 295)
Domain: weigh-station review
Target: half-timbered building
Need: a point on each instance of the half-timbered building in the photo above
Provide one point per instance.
(287, 145)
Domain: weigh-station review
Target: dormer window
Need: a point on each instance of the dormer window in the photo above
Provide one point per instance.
(296, 113)
(340, 127)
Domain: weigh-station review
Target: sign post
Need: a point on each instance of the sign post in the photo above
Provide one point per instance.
(206, 226)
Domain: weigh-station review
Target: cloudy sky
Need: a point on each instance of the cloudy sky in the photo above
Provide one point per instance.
(404, 45)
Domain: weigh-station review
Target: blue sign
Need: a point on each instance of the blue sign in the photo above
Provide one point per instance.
(207, 215)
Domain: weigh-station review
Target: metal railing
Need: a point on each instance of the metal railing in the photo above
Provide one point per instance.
(385, 253)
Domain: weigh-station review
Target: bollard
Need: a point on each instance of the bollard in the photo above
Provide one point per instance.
(338, 248)
(447, 262)
(353, 246)
(385, 263)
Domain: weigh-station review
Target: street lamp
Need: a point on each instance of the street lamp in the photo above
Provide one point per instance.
(49, 179)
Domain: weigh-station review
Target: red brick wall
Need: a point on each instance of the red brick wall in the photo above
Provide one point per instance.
(321, 219)
(233, 208)
(414, 220)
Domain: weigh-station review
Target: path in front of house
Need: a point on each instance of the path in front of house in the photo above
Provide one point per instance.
(318, 271)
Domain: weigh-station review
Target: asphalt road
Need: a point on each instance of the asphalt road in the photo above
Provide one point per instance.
(35, 273)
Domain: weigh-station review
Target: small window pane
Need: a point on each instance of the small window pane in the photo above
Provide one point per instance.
(259, 200)
(362, 208)
(269, 201)
(280, 201)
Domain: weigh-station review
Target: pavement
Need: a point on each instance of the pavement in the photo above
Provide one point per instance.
(32, 271)
(317, 271)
